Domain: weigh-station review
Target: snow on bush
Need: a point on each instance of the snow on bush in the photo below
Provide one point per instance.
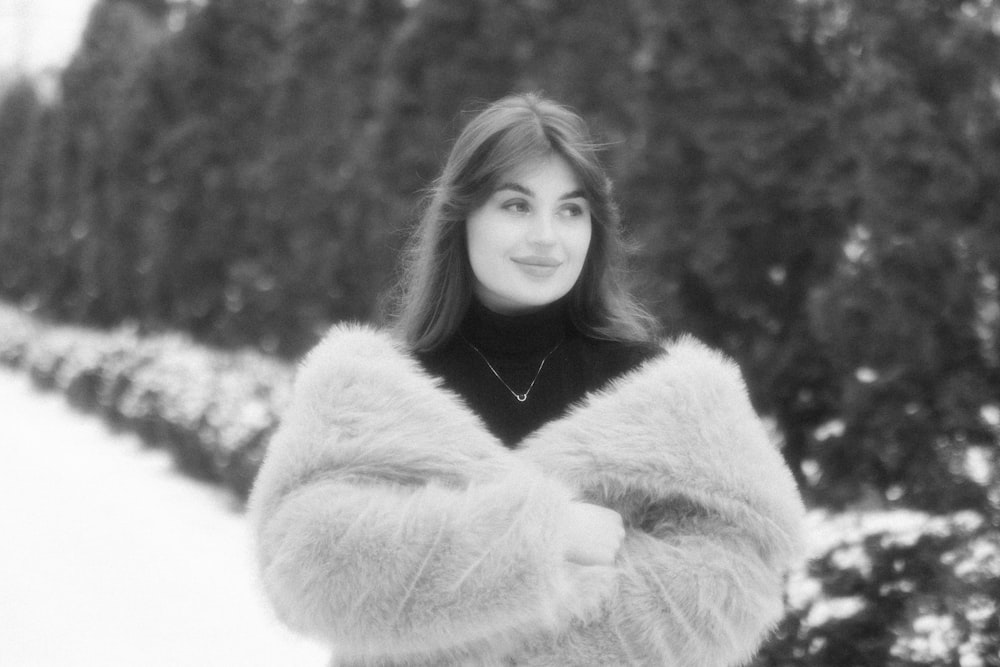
(213, 409)
(895, 588)
(888, 589)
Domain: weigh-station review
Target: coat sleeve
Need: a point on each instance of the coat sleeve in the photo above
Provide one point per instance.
(386, 528)
(714, 517)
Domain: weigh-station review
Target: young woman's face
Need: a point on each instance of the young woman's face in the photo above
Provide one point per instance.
(528, 242)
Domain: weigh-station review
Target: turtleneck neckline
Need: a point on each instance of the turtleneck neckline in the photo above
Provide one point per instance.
(516, 335)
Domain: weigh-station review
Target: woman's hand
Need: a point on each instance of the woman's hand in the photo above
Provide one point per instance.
(594, 534)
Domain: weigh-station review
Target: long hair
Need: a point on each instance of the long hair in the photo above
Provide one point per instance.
(436, 285)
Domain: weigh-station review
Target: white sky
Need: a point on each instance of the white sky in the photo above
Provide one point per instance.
(37, 34)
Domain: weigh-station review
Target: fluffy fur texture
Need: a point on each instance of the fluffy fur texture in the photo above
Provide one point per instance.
(392, 524)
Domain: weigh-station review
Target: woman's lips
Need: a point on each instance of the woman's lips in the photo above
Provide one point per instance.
(537, 266)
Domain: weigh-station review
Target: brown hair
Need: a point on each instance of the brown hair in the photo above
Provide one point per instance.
(436, 285)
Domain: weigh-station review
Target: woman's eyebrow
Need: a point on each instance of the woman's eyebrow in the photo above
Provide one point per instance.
(517, 187)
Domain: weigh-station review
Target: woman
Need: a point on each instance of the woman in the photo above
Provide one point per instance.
(516, 473)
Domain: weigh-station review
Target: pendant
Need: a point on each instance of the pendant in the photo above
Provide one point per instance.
(521, 398)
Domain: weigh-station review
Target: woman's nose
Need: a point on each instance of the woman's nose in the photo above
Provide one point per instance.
(542, 230)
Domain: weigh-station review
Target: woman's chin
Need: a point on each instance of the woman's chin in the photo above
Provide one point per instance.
(521, 304)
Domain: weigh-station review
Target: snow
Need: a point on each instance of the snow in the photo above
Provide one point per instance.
(110, 557)
(835, 609)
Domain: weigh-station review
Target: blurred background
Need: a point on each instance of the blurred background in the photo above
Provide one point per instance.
(813, 186)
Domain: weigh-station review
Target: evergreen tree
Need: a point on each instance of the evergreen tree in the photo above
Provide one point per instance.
(88, 211)
(917, 177)
(22, 186)
(320, 217)
(726, 179)
(204, 92)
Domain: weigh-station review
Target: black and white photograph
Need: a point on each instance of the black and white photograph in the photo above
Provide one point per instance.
(500, 333)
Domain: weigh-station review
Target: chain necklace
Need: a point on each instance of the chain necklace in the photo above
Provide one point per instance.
(520, 397)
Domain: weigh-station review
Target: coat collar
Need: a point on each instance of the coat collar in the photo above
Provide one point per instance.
(623, 424)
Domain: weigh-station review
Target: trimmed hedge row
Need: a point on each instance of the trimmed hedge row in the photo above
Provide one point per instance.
(895, 588)
(212, 409)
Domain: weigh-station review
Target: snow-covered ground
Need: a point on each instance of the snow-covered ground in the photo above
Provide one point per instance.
(109, 557)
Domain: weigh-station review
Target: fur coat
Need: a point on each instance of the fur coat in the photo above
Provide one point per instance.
(391, 524)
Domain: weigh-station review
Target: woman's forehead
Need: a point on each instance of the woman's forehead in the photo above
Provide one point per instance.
(551, 170)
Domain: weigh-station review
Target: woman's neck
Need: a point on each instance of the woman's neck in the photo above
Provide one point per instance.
(515, 335)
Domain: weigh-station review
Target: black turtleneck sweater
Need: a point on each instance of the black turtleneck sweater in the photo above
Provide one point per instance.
(515, 346)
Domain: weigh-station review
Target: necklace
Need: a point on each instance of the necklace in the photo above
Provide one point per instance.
(520, 397)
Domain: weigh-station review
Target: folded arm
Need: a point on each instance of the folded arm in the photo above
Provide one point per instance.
(381, 568)
(714, 518)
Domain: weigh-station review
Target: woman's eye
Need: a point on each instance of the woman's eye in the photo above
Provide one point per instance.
(518, 207)
(572, 210)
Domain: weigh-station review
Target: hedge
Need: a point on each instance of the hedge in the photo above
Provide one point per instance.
(212, 409)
